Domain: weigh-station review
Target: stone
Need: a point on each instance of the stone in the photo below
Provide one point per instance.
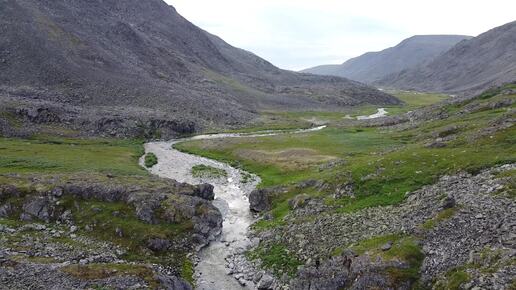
(57, 192)
(205, 191)
(173, 283)
(448, 202)
(6, 210)
(158, 245)
(119, 232)
(266, 282)
(260, 200)
(38, 208)
(387, 246)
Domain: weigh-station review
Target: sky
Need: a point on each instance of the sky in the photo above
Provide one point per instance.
(297, 34)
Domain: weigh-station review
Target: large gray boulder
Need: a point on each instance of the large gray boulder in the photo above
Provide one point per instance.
(205, 191)
(39, 207)
(261, 199)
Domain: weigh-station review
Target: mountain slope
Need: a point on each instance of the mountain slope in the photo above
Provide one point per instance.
(373, 66)
(486, 60)
(143, 54)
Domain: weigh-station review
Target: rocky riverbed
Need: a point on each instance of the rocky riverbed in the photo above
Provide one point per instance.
(223, 258)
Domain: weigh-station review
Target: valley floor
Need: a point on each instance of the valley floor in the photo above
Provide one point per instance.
(423, 198)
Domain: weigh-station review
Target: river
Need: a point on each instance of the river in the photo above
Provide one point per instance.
(230, 198)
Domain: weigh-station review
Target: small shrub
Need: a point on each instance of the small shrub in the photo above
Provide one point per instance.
(150, 160)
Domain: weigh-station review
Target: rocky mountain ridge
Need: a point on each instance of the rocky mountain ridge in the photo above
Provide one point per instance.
(472, 65)
(410, 53)
(113, 55)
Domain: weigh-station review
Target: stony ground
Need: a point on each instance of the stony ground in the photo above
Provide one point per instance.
(463, 221)
(68, 232)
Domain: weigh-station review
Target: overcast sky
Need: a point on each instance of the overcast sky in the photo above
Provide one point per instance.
(296, 34)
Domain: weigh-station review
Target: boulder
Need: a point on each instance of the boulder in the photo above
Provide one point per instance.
(158, 245)
(173, 283)
(261, 199)
(205, 191)
(6, 210)
(145, 212)
(387, 246)
(57, 192)
(39, 208)
(266, 282)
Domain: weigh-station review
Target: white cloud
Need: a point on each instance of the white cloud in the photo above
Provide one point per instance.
(296, 34)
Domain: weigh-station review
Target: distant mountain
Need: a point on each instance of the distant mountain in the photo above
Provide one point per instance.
(486, 60)
(373, 66)
(144, 58)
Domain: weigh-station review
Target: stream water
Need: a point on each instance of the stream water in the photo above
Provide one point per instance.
(380, 113)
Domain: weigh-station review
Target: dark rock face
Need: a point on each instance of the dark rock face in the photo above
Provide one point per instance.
(205, 191)
(206, 219)
(349, 272)
(174, 203)
(260, 200)
(152, 72)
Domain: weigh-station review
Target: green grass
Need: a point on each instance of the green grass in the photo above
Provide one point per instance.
(277, 160)
(453, 280)
(404, 248)
(150, 160)
(443, 215)
(276, 258)
(61, 155)
(208, 171)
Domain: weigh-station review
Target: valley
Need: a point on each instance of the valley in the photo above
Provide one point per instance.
(336, 173)
(140, 151)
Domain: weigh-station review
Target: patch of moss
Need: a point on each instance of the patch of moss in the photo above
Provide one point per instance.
(188, 271)
(205, 171)
(453, 280)
(404, 248)
(441, 216)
